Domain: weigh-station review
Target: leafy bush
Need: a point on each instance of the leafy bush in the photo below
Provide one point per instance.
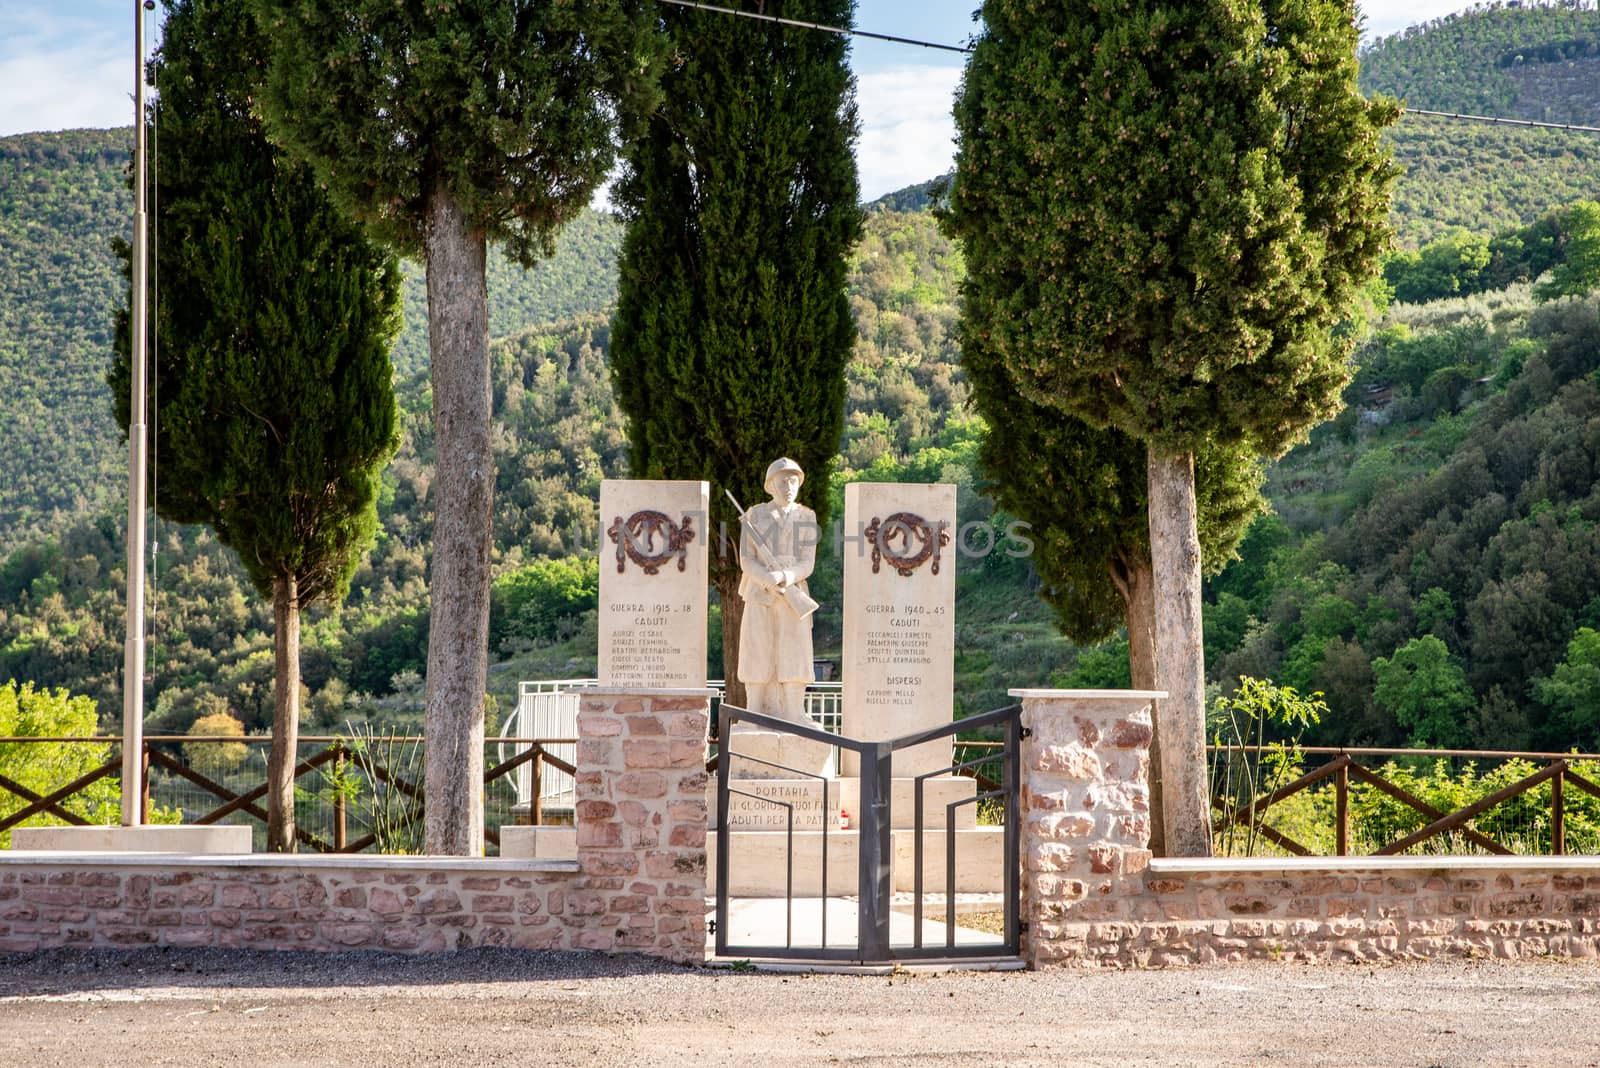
(215, 758)
(545, 600)
(43, 767)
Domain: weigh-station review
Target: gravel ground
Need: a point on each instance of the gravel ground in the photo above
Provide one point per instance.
(210, 1007)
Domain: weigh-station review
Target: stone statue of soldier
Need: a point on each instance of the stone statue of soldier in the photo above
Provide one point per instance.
(777, 551)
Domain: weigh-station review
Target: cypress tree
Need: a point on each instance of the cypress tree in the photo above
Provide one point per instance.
(1083, 493)
(275, 315)
(446, 126)
(1165, 210)
(732, 327)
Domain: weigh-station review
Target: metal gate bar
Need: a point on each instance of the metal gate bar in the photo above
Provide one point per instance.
(1010, 718)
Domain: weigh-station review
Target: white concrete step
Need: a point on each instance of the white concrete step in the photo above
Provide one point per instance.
(774, 924)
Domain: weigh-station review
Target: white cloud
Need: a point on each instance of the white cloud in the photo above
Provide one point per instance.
(1384, 17)
(69, 65)
(82, 86)
(907, 130)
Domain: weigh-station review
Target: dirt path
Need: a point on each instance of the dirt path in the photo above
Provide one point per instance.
(490, 1007)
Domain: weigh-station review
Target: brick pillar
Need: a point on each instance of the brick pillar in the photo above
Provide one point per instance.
(1085, 816)
(641, 823)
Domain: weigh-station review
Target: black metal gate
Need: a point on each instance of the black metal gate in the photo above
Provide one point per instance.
(872, 942)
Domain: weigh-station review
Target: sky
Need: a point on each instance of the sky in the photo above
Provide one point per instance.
(67, 64)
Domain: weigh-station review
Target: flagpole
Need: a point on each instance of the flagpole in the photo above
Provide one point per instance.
(133, 657)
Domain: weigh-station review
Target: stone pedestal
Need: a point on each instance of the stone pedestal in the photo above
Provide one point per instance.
(1085, 811)
(759, 754)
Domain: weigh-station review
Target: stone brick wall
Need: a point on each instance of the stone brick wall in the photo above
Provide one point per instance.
(311, 903)
(1093, 896)
(1355, 909)
(638, 884)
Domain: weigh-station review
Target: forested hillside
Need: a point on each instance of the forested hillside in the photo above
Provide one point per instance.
(557, 434)
(1528, 62)
(1431, 564)
(1520, 60)
(1435, 554)
(63, 201)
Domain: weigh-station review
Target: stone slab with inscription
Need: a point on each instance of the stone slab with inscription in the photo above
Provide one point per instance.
(899, 554)
(653, 580)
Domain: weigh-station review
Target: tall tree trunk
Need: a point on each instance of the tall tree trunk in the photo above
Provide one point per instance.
(285, 713)
(1136, 582)
(1180, 655)
(732, 617)
(463, 488)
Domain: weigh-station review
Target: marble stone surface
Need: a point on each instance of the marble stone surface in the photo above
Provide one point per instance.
(654, 542)
(899, 554)
(150, 838)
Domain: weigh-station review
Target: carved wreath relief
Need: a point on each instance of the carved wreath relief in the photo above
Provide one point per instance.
(906, 541)
(651, 539)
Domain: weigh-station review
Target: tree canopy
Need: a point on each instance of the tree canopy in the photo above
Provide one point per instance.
(1165, 211)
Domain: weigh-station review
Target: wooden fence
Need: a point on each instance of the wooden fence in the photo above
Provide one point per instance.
(343, 754)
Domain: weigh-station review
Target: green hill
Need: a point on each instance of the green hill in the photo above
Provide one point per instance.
(63, 199)
(1525, 62)
(1522, 61)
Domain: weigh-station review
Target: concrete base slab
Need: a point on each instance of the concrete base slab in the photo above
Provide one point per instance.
(177, 838)
(782, 966)
(544, 843)
(805, 795)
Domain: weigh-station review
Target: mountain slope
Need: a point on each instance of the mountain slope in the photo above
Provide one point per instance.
(63, 200)
(1540, 63)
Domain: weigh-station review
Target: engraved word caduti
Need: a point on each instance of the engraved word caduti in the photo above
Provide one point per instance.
(650, 539)
(907, 541)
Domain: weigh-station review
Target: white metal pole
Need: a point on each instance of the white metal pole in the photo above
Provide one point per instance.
(133, 659)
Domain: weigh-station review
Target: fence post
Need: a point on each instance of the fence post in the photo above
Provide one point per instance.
(338, 798)
(536, 802)
(1558, 814)
(1342, 810)
(144, 784)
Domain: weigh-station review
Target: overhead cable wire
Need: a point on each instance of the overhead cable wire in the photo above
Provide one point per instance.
(850, 32)
(1497, 121)
(842, 32)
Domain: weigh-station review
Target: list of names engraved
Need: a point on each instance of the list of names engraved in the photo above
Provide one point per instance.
(899, 615)
(653, 573)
